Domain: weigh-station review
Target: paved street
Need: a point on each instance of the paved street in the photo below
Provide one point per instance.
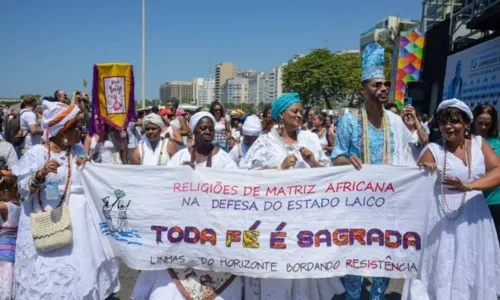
(128, 277)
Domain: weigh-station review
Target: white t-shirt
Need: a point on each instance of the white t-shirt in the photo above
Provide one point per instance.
(238, 151)
(29, 118)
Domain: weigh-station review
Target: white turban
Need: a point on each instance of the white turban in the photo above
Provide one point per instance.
(153, 119)
(455, 103)
(58, 116)
(252, 126)
(198, 116)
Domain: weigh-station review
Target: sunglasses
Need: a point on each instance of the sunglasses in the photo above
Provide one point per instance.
(218, 109)
(379, 84)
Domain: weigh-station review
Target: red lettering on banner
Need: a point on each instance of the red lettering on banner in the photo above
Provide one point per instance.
(360, 186)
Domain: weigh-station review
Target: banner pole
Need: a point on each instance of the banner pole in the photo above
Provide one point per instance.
(143, 54)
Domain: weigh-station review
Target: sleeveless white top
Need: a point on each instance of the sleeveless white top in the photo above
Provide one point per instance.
(106, 150)
(323, 139)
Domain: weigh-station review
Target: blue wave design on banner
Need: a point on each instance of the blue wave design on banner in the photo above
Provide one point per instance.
(121, 236)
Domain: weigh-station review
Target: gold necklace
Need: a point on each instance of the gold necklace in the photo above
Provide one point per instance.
(365, 141)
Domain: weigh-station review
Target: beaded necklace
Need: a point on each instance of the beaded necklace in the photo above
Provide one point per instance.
(444, 203)
(365, 139)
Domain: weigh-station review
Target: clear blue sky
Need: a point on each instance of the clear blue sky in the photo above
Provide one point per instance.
(52, 44)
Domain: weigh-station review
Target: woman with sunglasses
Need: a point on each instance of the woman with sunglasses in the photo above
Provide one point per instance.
(486, 125)
(461, 259)
(222, 128)
(75, 268)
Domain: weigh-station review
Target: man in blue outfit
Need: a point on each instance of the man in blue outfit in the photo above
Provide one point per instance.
(373, 136)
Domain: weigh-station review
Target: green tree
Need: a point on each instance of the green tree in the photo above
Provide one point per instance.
(322, 78)
(38, 99)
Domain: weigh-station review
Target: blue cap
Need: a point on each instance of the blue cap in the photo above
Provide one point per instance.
(373, 62)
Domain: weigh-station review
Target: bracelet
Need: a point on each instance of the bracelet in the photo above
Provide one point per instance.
(35, 183)
(279, 167)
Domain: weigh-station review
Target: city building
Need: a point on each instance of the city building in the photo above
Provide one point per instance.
(223, 72)
(181, 90)
(203, 91)
(254, 82)
(235, 91)
(8, 101)
(295, 58)
(352, 51)
(271, 85)
(382, 29)
(163, 93)
(246, 73)
(265, 87)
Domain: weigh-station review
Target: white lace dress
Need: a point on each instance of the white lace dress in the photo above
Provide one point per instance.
(268, 152)
(462, 258)
(81, 270)
(158, 285)
(7, 287)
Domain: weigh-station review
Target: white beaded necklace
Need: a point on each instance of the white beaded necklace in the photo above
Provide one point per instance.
(444, 203)
(365, 141)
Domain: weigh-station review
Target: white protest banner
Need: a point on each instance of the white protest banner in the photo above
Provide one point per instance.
(307, 223)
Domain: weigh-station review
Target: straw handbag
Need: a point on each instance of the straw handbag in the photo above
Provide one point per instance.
(51, 230)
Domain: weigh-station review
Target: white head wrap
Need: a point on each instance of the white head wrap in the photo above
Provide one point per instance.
(252, 126)
(198, 116)
(153, 119)
(57, 115)
(456, 104)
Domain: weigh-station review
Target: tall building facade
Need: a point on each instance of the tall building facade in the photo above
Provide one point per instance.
(245, 73)
(350, 51)
(271, 85)
(265, 87)
(181, 90)
(382, 29)
(203, 91)
(235, 91)
(163, 93)
(254, 88)
(223, 72)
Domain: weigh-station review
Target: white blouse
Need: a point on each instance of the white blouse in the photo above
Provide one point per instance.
(269, 151)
